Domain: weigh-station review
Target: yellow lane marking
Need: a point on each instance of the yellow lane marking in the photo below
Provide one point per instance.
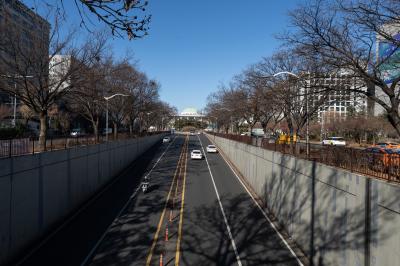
(178, 244)
(148, 260)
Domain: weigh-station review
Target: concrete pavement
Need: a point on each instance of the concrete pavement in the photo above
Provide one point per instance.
(211, 218)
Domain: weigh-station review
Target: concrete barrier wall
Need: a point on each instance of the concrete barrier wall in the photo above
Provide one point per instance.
(36, 191)
(335, 216)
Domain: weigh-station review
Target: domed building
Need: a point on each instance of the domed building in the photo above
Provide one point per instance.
(188, 117)
(190, 114)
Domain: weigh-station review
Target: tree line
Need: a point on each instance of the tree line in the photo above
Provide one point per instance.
(353, 43)
(53, 74)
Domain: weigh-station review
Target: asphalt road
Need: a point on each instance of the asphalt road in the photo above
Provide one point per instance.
(211, 218)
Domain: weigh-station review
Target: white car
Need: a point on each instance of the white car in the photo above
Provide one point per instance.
(212, 148)
(166, 140)
(196, 154)
(334, 141)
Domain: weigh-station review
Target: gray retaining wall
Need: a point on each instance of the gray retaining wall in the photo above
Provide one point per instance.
(36, 191)
(337, 217)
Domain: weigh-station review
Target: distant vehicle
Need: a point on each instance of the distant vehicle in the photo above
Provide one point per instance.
(166, 140)
(389, 145)
(334, 141)
(212, 148)
(76, 132)
(105, 131)
(381, 158)
(196, 154)
(192, 132)
(245, 134)
(257, 132)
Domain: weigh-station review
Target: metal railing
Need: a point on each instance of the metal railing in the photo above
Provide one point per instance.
(23, 146)
(379, 163)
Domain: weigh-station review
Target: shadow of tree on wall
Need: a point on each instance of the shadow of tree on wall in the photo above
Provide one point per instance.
(327, 221)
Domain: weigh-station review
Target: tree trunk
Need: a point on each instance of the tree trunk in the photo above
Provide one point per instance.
(95, 125)
(290, 126)
(43, 130)
(115, 131)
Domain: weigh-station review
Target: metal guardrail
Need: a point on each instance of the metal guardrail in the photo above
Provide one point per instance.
(23, 146)
(378, 164)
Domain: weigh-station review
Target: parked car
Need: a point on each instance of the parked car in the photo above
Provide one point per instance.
(257, 132)
(107, 131)
(77, 132)
(389, 145)
(166, 140)
(196, 154)
(334, 141)
(211, 148)
(381, 159)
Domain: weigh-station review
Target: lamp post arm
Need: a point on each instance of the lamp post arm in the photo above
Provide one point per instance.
(117, 94)
(286, 73)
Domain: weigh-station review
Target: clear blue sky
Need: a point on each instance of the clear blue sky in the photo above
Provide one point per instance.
(195, 45)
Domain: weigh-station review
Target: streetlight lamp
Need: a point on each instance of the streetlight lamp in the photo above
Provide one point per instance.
(108, 98)
(15, 95)
(306, 99)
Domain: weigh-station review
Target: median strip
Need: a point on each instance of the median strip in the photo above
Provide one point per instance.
(178, 243)
(160, 223)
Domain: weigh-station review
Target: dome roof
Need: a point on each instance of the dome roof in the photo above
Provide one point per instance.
(189, 111)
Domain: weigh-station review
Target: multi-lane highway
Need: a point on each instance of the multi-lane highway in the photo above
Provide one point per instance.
(210, 216)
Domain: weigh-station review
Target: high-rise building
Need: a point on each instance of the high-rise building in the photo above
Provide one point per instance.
(341, 100)
(23, 34)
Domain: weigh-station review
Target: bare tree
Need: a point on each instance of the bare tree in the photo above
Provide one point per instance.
(86, 98)
(122, 17)
(119, 15)
(42, 72)
(341, 37)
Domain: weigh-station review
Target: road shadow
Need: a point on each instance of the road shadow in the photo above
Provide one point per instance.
(130, 237)
(71, 244)
(206, 240)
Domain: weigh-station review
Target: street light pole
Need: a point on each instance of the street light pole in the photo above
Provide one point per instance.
(106, 119)
(15, 105)
(108, 98)
(148, 121)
